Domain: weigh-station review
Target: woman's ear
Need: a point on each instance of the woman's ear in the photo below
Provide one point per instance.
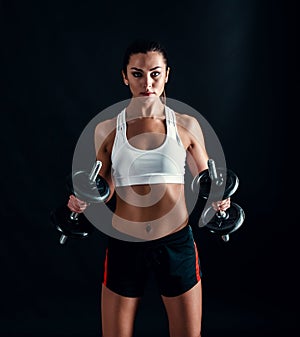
(124, 78)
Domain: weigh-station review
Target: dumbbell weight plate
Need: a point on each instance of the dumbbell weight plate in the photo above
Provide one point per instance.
(202, 183)
(88, 190)
(235, 217)
(79, 228)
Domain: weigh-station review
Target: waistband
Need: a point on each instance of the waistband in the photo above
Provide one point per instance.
(186, 230)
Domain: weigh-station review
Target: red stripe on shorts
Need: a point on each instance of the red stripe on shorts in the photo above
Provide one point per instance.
(197, 263)
(105, 269)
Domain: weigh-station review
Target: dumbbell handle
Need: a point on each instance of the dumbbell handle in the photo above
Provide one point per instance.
(214, 177)
(62, 239)
(222, 214)
(212, 169)
(95, 170)
(92, 176)
(213, 172)
(74, 216)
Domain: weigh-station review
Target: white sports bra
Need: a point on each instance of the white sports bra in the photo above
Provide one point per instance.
(133, 166)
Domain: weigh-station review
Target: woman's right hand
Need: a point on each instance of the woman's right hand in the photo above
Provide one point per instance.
(76, 205)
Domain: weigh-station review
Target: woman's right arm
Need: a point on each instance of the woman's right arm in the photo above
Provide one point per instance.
(103, 138)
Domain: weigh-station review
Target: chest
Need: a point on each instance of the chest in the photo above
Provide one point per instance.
(146, 133)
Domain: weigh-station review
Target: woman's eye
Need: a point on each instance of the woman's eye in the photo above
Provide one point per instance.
(155, 74)
(136, 74)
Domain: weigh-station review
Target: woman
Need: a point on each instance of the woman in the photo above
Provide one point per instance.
(144, 164)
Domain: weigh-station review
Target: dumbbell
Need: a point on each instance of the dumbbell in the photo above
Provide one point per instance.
(89, 187)
(219, 184)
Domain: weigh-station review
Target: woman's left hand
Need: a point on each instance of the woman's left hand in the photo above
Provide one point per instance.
(221, 205)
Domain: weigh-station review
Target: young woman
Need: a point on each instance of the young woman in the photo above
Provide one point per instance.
(144, 162)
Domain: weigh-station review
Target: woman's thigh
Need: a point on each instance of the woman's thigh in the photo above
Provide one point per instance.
(185, 312)
(118, 314)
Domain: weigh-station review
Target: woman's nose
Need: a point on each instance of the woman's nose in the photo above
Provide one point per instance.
(148, 82)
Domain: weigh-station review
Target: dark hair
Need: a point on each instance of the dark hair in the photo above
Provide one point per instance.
(143, 46)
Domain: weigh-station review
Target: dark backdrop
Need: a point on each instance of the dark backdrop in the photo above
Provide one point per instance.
(61, 67)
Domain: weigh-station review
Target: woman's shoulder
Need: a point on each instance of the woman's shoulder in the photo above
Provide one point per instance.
(186, 121)
(106, 127)
(189, 125)
(104, 134)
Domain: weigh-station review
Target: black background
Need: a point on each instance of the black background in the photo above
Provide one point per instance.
(61, 66)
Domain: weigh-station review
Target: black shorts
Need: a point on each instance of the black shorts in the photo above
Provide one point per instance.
(173, 260)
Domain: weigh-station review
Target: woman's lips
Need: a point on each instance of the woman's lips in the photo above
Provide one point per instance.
(147, 93)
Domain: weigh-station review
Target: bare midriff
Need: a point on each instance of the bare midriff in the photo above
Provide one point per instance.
(149, 212)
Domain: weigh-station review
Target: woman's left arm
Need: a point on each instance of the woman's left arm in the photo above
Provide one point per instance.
(192, 137)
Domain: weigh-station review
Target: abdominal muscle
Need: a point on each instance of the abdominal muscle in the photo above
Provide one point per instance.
(149, 212)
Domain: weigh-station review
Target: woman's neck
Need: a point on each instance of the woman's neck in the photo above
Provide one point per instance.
(141, 107)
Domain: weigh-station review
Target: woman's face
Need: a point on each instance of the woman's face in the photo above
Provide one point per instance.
(146, 74)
